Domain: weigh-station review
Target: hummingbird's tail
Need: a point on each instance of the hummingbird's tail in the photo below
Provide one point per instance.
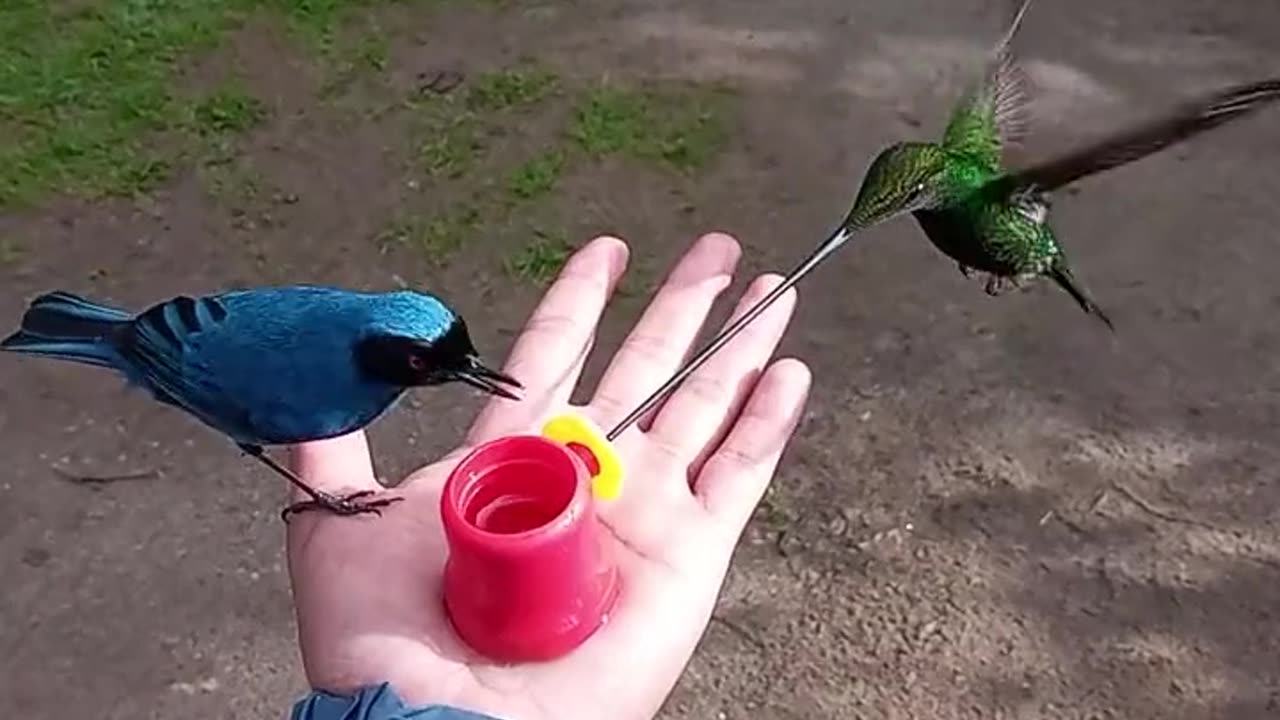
(1061, 275)
(68, 327)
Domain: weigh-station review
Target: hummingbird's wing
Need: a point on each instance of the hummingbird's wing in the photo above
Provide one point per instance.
(1190, 119)
(992, 116)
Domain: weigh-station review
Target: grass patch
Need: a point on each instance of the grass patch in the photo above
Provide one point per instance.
(452, 149)
(233, 185)
(86, 87)
(455, 130)
(371, 51)
(537, 176)
(683, 131)
(504, 89)
(318, 21)
(540, 260)
(11, 252)
(351, 59)
(438, 238)
(83, 84)
(680, 129)
(227, 110)
(444, 235)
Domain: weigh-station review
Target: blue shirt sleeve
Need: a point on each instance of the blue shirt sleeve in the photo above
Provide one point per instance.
(375, 702)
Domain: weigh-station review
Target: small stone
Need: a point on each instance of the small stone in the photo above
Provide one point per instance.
(35, 557)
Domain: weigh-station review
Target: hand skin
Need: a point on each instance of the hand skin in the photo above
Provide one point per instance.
(367, 590)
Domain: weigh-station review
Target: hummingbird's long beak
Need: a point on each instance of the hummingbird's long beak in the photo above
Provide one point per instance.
(833, 242)
(478, 375)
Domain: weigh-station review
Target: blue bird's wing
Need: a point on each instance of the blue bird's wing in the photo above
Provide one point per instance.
(157, 348)
(265, 366)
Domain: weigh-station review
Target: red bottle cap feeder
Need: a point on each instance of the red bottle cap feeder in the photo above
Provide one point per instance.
(528, 577)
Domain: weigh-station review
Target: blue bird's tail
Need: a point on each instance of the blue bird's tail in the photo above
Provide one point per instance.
(68, 327)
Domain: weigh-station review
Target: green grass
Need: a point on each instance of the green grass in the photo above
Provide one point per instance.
(11, 252)
(87, 100)
(350, 59)
(445, 234)
(452, 147)
(82, 88)
(318, 21)
(504, 89)
(454, 131)
(371, 51)
(237, 186)
(537, 176)
(540, 261)
(227, 110)
(438, 238)
(680, 130)
(89, 106)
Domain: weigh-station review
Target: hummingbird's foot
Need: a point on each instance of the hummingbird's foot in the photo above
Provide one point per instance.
(340, 504)
(1000, 284)
(965, 270)
(996, 285)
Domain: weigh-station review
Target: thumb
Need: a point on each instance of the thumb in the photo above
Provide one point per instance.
(339, 465)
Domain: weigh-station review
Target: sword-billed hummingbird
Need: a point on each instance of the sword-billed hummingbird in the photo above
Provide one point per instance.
(973, 209)
(995, 220)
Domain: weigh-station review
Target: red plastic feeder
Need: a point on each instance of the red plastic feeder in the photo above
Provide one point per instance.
(527, 577)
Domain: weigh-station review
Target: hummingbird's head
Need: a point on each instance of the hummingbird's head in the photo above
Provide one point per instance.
(903, 178)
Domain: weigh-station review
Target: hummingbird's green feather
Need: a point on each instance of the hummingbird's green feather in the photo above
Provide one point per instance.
(992, 116)
(900, 175)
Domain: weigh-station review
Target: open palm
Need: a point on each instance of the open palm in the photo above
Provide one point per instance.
(367, 590)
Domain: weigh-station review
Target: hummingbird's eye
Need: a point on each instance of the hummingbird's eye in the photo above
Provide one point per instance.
(416, 362)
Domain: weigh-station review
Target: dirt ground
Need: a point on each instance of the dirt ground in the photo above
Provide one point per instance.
(994, 509)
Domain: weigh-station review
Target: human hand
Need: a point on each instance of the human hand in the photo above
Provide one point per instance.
(368, 593)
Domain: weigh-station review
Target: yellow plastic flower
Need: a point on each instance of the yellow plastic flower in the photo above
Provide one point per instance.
(573, 429)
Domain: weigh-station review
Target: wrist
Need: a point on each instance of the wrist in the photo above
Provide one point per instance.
(373, 702)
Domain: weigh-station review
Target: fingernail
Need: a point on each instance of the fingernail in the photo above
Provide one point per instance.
(719, 282)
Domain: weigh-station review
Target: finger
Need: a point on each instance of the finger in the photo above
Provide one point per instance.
(338, 465)
(738, 472)
(661, 339)
(697, 414)
(549, 354)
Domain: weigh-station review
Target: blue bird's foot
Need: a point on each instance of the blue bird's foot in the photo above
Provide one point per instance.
(320, 500)
(340, 504)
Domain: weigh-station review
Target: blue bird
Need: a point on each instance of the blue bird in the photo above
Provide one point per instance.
(270, 366)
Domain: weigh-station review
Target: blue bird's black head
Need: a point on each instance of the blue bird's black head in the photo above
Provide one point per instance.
(416, 341)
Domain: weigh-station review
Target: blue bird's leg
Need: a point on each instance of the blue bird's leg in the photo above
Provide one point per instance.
(320, 500)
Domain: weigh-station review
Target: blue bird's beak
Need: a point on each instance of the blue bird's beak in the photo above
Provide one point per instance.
(477, 375)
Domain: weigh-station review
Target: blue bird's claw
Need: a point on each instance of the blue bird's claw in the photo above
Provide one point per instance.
(320, 500)
(340, 504)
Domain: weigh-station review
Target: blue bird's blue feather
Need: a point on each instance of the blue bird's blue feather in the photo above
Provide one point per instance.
(68, 327)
